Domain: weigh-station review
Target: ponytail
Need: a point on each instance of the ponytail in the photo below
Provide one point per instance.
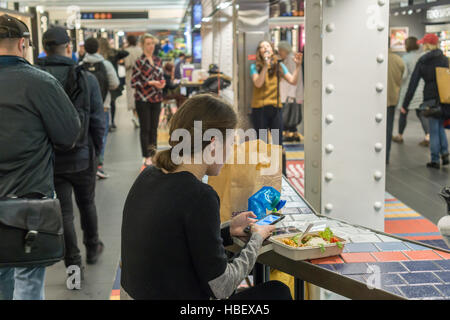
(163, 160)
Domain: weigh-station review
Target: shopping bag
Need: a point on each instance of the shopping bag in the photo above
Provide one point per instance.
(443, 83)
(292, 114)
(252, 165)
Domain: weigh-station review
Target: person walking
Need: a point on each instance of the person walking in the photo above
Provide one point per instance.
(75, 170)
(426, 69)
(113, 56)
(410, 59)
(290, 95)
(108, 80)
(148, 81)
(37, 117)
(396, 67)
(190, 250)
(266, 74)
(135, 52)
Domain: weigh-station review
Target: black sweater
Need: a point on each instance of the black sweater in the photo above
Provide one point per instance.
(172, 244)
(426, 69)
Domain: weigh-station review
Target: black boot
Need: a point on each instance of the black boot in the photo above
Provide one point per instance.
(434, 165)
(445, 194)
(93, 253)
(445, 160)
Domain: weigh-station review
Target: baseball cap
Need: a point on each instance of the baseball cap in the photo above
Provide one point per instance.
(11, 27)
(55, 36)
(430, 38)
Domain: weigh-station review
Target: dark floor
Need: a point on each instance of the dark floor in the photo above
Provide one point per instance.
(407, 177)
(122, 162)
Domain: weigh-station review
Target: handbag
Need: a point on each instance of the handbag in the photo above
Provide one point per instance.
(31, 232)
(443, 83)
(292, 115)
(431, 108)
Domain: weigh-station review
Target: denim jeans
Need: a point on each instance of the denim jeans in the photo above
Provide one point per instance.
(390, 114)
(22, 283)
(438, 139)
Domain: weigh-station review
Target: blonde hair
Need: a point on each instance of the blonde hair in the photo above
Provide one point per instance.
(148, 36)
(429, 46)
(105, 49)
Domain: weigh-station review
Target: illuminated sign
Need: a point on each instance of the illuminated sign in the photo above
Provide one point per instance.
(113, 15)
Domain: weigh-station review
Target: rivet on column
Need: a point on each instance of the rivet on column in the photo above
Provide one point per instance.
(329, 176)
(380, 27)
(328, 207)
(378, 175)
(330, 27)
(329, 88)
(331, 3)
(379, 117)
(329, 118)
(379, 87)
(378, 146)
(381, 2)
(380, 58)
(378, 205)
(330, 59)
(329, 148)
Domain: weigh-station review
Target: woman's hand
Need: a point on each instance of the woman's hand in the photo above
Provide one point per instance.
(264, 231)
(298, 59)
(240, 222)
(403, 110)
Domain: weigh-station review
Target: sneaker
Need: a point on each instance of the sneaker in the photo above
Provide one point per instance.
(397, 139)
(433, 165)
(424, 143)
(92, 254)
(111, 129)
(102, 174)
(445, 160)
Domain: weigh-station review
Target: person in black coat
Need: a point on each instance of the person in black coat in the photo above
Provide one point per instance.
(426, 69)
(170, 90)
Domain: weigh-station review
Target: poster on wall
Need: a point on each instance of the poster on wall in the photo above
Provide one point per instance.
(398, 35)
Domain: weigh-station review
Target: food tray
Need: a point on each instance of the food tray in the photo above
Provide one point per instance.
(305, 253)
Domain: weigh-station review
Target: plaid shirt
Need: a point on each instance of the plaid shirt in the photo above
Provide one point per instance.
(143, 72)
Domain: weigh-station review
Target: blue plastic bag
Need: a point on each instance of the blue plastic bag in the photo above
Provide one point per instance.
(267, 198)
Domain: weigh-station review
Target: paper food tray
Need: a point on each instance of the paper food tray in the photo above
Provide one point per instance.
(304, 253)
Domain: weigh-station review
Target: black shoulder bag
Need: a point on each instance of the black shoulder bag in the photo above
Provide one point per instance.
(31, 232)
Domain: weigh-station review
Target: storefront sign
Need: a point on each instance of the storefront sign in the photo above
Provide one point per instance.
(398, 35)
(439, 14)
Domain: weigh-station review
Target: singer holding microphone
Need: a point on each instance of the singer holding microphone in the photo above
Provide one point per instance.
(266, 102)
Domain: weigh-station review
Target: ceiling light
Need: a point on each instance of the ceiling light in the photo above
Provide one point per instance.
(102, 29)
(224, 5)
(206, 19)
(120, 33)
(418, 10)
(403, 12)
(198, 26)
(396, 13)
(410, 12)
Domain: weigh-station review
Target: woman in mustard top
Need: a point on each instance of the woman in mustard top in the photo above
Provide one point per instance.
(266, 74)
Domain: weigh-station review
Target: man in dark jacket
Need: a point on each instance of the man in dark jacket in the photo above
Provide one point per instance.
(426, 69)
(76, 169)
(36, 117)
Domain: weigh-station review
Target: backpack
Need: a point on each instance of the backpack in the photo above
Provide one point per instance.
(99, 71)
(77, 89)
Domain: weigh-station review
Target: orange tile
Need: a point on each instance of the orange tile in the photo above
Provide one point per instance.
(328, 260)
(422, 255)
(425, 238)
(390, 256)
(410, 226)
(443, 254)
(358, 257)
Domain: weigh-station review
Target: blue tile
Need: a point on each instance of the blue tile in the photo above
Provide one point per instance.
(444, 264)
(421, 266)
(351, 268)
(437, 243)
(392, 289)
(444, 288)
(325, 266)
(360, 247)
(392, 246)
(357, 277)
(421, 278)
(414, 246)
(390, 279)
(389, 267)
(420, 291)
(444, 276)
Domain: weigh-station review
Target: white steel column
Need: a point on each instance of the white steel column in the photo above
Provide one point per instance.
(345, 108)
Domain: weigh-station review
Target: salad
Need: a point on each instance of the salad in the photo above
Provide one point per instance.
(320, 240)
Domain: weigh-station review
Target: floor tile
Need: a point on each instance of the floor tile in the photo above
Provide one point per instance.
(426, 291)
(445, 289)
(357, 257)
(390, 256)
(393, 290)
(421, 278)
(328, 260)
(391, 279)
(444, 276)
(290, 210)
(326, 266)
(416, 247)
(365, 238)
(389, 267)
(421, 266)
(422, 255)
(388, 239)
(444, 264)
(392, 246)
(444, 255)
(351, 268)
(360, 247)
